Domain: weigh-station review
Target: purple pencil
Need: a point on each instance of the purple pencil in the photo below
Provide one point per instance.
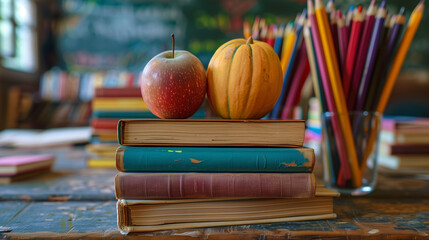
(380, 75)
(345, 169)
(370, 58)
(360, 60)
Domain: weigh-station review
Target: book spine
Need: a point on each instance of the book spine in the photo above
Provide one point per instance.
(117, 92)
(214, 159)
(126, 114)
(212, 185)
(99, 123)
(124, 218)
(119, 132)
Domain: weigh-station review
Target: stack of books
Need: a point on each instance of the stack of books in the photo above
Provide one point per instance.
(404, 145)
(14, 168)
(202, 173)
(108, 106)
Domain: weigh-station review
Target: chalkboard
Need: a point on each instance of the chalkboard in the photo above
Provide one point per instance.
(99, 35)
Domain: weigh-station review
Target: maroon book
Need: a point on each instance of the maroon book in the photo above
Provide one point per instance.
(214, 185)
(104, 123)
(399, 149)
(117, 92)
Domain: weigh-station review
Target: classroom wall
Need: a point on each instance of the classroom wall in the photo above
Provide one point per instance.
(112, 34)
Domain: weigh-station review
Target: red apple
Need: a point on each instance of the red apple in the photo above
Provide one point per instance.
(173, 84)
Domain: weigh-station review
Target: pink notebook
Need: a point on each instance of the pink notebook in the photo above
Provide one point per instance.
(14, 165)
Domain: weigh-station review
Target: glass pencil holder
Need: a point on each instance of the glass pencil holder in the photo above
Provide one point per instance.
(350, 144)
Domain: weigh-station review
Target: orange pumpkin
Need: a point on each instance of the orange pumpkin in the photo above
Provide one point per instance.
(244, 79)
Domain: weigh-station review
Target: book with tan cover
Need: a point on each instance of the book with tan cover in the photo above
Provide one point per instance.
(211, 132)
(154, 215)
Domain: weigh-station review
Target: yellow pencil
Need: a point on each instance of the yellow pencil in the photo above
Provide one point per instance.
(246, 30)
(311, 58)
(337, 89)
(407, 38)
(288, 43)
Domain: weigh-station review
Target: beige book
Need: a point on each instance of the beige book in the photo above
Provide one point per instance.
(154, 215)
(211, 132)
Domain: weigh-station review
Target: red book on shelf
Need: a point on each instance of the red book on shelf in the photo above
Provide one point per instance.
(104, 123)
(117, 92)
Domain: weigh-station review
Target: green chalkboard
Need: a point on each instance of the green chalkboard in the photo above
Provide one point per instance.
(124, 35)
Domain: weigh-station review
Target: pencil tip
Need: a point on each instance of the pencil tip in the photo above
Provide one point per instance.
(351, 8)
(339, 13)
(360, 9)
(383, 4)
(422, 2)
(373, 3)
(402, 11)
(304, 13)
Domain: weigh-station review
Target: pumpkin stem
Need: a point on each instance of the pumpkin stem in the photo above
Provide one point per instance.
(172, 37)
(249, 40)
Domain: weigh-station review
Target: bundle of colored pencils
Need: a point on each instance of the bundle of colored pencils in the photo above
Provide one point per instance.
(354, 60)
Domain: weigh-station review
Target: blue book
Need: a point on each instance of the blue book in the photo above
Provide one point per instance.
(214, 159)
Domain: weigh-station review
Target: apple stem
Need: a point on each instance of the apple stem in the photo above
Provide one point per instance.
(249, 40)
(172, 37)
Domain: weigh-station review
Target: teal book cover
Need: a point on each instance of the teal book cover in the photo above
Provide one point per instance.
(214, 159)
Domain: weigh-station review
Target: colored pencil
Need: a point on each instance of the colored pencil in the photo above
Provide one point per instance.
(330, 101)
(263, 34)
(370, 58)
(410, 31)
(277, 110)
(335, 79)
(279, 40)
(380, 63)
(343, 38)
(334, 31)
(300, 74)
(312, 63)
(271, 35)
(349, 18)
(380, 75)
(407, 38)
(288, 43)
(255, 28)
(352, 50)
(360, 60)
(330, 156)
(246, 30)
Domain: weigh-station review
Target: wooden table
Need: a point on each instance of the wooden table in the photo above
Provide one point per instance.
(74, 202)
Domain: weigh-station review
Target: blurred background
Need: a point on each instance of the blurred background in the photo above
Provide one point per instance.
(54, 53)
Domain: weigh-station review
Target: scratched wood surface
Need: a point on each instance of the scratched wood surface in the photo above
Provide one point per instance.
(358, 218)
(74, 202)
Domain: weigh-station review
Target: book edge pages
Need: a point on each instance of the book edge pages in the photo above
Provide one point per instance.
(226, 223)
(209, 120)
(119, 159)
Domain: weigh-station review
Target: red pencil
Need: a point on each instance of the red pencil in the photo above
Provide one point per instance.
(271, 35)
(334, 31)
(343, 38)
(352, 49)
(360, 60)
(301, 71)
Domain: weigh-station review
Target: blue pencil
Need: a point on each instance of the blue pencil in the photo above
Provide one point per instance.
(275, 113)
(279, 40)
